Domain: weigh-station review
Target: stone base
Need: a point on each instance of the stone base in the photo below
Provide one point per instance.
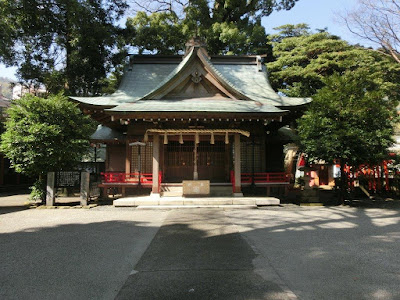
(310, 196)
(196, 202)
(195, 188)
(237, 194)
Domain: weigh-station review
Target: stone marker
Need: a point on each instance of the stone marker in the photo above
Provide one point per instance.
(196, 187)
(85, 188)
(50, 192)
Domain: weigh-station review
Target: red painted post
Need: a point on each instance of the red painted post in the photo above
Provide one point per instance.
(385, 169)
(159, 180)
(374, 179)
(378, 168)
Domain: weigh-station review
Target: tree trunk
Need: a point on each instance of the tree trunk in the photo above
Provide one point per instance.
(343, 183)
(68, 51)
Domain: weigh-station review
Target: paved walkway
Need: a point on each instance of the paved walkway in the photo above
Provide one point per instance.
(199, 254)
(14, 200)
(271, 253)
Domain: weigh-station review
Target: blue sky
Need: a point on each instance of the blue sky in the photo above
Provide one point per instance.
(316, 13)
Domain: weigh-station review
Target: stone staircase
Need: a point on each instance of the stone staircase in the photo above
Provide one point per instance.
(183, 202)
(171, 190)
(176, 190)
(171, 197)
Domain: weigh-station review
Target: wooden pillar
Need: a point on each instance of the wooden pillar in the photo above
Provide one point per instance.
(156, 164)
(238, 171)
(128, 157)
(195, 172)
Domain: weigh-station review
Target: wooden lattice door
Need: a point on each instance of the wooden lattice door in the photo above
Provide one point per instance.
(212, 161)
(178, 161)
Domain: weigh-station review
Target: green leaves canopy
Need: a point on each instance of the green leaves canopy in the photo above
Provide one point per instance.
(161, 33)
(350, 119)
(65, 44)
(45, 135)
(303, 59)
(229, 26)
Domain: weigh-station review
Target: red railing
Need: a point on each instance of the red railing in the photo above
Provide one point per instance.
(264, 177)
(260, 178)
(118, 177)
(146, 179)
(112, 177)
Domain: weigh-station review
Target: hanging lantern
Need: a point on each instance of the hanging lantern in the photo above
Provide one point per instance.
(165, 139)
(226, 138)
(212, 141)
(196, 138)
(146, 138)
(180, 139)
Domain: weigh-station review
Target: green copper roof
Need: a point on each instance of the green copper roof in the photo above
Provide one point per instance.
(138, 80)
(172, 74)
(104, 133)
(194, 105)
(148, 77)
(254, 84)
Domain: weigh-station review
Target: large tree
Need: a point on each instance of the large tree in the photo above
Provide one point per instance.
(351, 119)
(229, 26)
(44, 135)
(302, 59)
(160, 33)
(64, 44)
(377, 21)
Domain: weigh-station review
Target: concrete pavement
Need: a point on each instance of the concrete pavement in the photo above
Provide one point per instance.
(71, 254)
(199, 254)
(274, 253)
(328, 253)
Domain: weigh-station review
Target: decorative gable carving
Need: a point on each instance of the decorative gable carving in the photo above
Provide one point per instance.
(196, 77)
(195, 87)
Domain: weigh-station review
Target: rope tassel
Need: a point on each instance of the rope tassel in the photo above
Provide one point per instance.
(180, 139)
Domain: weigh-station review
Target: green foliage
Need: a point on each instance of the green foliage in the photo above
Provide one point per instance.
(350, 119)
(38, 190)
(64, 44)
(161, 33)
(229, 26)
(303, 59)
(44, 135)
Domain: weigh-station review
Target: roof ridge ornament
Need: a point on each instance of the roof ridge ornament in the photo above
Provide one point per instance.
(196, 42)
(260, 62)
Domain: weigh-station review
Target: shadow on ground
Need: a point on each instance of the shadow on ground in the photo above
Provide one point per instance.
(319, 253)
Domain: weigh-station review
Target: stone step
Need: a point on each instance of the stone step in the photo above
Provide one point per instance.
(217, 191)
(171, 191)
(180, 201)
(171, 194)
(177, 191)
(196, 206)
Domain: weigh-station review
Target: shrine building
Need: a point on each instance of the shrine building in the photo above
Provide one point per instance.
(192, 117)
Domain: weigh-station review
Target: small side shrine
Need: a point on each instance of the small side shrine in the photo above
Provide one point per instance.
(196, 117)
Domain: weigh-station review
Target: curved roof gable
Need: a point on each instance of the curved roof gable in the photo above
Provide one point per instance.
(195, 63)
(197, 77)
